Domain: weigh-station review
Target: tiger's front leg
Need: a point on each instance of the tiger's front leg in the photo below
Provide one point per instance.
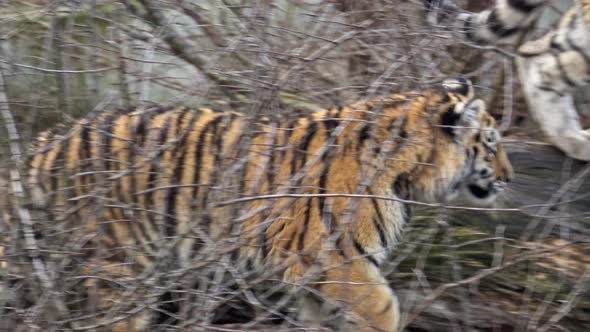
(360, 291)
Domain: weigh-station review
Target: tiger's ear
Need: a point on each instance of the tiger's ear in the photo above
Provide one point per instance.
(462, 118)
(459, 85)
(471, 112)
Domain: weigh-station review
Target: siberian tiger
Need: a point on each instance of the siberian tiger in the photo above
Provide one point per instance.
(318, 200)
(550, 68)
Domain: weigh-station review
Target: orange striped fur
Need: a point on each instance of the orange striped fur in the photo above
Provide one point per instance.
(167, 179)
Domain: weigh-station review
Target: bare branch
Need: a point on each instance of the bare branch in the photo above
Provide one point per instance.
(185, 49)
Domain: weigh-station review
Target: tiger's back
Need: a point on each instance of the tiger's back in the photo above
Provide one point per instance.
(328, 189)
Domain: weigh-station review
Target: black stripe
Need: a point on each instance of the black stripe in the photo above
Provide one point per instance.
(446, 98)
(272, 169)
(554, 44)
(403, 189)
(379, 226)
(387, 307)
(330, 124)
(364, 134)
(322, 186)
(475, 152)
(149, 199)
(180, 147)
(68, 181)
(392, 123)
(199, 153)
(522, 6)
(270, 172)
(449, 119)
(141, 128)
(285, 242)
(300, 152)
(218, 143)
(85, 138)
(468, 29)
(118, 192)
(84, 156)
(139, 136)
(214, 128)
(279, 230)
(106, 137)
(549, 89)
(498, 27)
(135, 148)
(327, 159)
(183, 111)
(402, 186)
(339, 246)
(107, 129)
(564, 74)
(41, 172)
(39, 177)
(263, 243)
(311, 130)
(303, 232)
(238, 152)
(362, 251)
(288, 132)
(463, 88)
(310, 133)
(57, 166)
(159, 109)
(136, 141)
(379, 221)
(111, 165)
(180, 150)
(198, 158)
(403, 133)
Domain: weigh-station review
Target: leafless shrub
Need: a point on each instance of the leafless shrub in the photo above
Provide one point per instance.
(523, 266)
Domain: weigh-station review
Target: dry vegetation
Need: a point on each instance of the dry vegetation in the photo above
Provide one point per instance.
(521, 267)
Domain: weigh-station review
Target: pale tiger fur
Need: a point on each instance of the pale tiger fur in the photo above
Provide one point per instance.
(166, 176)
(551, 68)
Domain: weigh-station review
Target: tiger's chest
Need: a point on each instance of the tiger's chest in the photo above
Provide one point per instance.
(389, 219)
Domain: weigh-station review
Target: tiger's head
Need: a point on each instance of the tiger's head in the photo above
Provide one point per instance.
(486, 167)
(470, 163)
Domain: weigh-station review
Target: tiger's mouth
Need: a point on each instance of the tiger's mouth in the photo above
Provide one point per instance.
(480, 192)
(484, 194)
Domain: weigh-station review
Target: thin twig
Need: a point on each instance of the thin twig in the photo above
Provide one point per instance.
(17, 157)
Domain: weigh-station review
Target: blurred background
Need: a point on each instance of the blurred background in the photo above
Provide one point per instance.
(523, 266)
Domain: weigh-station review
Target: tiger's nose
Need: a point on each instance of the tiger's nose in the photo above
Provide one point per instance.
(486, 172)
